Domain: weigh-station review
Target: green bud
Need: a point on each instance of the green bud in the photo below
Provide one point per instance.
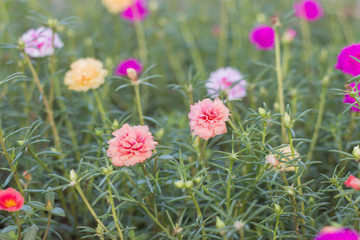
(52, 23)
(21, 142)
(290, 191)
(277, 209)
(197, 180)
(287, 121)
(160, 133)
(233, 157)
(107, 170)
(219, 223)
(262, 112)
(333, 181)
(99, 132)
(179, 184)
(73, 175)
(356, 153)
(115, 124)
(21, 44)
(189, 184)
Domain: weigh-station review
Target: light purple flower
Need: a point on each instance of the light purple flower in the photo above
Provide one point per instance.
(121, 69)
(309, 10)
(335, 233)
(263, 37)
(351, 100)
(38, 42)
(137, 12)
(346, 63)
(227, 79)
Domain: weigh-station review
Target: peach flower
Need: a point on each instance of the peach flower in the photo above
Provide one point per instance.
(85, 74)
(11, 200)
(208, 118)
(131, 145)
(353, 182)
(117, 6)
(280, 161)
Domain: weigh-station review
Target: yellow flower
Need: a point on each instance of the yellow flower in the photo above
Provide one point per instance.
(85, 74)
(116, 6)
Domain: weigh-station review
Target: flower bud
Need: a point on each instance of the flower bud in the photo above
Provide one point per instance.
(219, 223)
(177, 229)
(107, 170)
(21, 44)
(238, 225)
(179, 184)
(197, 179)
(262, 112)
(99, 230)
(189, 184)
(52, 23)
(287, 121)
(233, 157)
(277, 209)
(132, 75)
(73, 175)
(115, 124)
(21, 142)
(99, 132)
(356, 153)
(290, 191)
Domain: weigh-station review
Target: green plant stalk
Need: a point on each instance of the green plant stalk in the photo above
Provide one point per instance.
(306, 37)
(4, 12)
(114, 211)
(10, 161)
(228, 188)
(280, 81)
(202, 158)
(263, 136)
(46, 103)
(140, 35)
(319, 117)
(100, 106)
(138, 103)
(198, 210)
(224, 21)
(47, 226)
(276, 226)
(31, 151)
(18, 222)
(286, 59)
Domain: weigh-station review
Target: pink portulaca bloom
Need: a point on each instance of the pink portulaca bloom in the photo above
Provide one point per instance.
(131, 145)
(309, 10)
(289, 35)
(11, 200)
(351, 100)
(227, 79)
(38, 42)
(337, 233)
(121, 69)
(353, 182)
(346, 63)
(137, 12)
(263, 37)
(208, 118)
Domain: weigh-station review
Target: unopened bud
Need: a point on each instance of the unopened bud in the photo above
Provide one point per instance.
(219, 223)
(233, 157)
(197, 179)
(262, 112)
(99, 132)
(356, 153)
(107, 170)
(52, 23)
(132, 75)
(287, 121)
(21, 44)
(277, 209)
(115, 124)
(48, 206)
(177, 229)
(290, 191)
(99, 230)
(73, 175)
(189, 184)
(21, 142)
(179, 184)
(238, 225)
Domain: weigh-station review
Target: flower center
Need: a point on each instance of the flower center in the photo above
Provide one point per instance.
(225, 82)
(10, 203)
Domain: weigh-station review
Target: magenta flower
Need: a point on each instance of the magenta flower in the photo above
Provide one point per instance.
(137, 12)
(263, 37)
(121, 69)
(336, 233)
(351, 100)
(309, 10)
(346, 63)
(227, 79)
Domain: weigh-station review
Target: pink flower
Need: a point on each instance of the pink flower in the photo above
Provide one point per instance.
(337, 233)
(309, 10)
(351, 100)
(11, 200)
(263, 37)
(346, 63)
(121, 69)
(353, 182)
(289, 35)
(208, 118)
(227, 79)
(38, 42)
(137, 12)
(131, 145)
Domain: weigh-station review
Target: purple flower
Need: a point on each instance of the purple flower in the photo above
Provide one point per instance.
(121, 69)
(351, 100)
(309, 10)
(263, 37)
(38, 42)
(137, 12)
(227, 79)
(346, 63)
(334, 233)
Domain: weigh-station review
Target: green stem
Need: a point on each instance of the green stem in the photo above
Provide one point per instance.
(286, 59)
(138, 103)
(276, 227)
(10, 161)
(228, 188)
(113, 210)
(140, 34)
(198, 210)
(280, 81)
(18, 222)
(202, 159)
(47, 226)
(306, 37)
(100, 106)
(4, 12)
(38, 159)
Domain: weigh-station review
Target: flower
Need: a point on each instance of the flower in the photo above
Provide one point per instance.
(280, 160)
(346, 63)
(337, 233)
(208, 118)
(353, 182)
(227, 79)
(349, 99)
(121, 69)
(137, 12)
(11, 200)
(289, 35)
(116, 6)
(85, 73)
(263, 37)
(309, 10)
(131, 145)
(38, 42)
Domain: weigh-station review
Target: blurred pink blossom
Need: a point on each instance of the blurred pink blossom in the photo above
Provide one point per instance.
(353, 182)
(263, 37)
(289, 35)
(337, 233)
(137, 12)
(346, 63)
(121, 69)
(309, 10)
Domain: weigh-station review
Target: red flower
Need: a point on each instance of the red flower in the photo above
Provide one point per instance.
(353, 182)
(11, 200)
